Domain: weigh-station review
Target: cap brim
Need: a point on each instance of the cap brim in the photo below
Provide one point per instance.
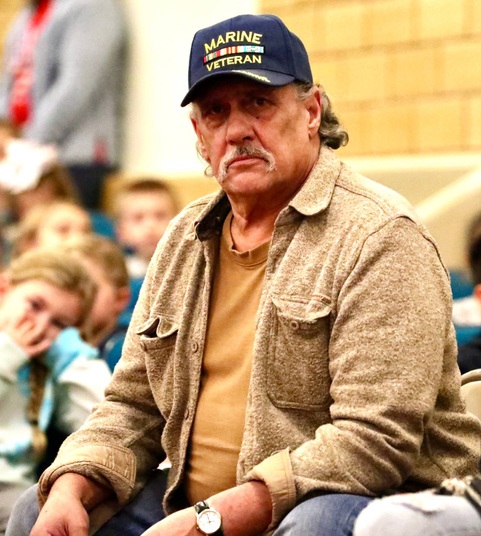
(268, 78)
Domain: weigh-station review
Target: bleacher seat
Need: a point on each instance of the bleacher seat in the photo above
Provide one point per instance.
(102, 224)
(461, 285)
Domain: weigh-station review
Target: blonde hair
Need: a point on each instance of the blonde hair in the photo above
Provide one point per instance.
(55, 268)
(105, 253)
(30, 225)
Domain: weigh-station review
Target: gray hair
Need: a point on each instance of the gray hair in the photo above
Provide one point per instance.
(331, 132)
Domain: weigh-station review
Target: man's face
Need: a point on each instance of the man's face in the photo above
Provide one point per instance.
(258, 140)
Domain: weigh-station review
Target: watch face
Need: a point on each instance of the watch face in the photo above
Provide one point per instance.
(209, 521)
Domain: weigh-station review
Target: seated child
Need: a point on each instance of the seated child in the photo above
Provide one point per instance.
(42, 293)
(51, 225)
(105, 262)
(32, 175)
(142, 210)
(53, 185)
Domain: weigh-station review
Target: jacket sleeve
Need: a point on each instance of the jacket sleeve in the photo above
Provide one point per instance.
(89, 50)
(80, 378)
(386, 359)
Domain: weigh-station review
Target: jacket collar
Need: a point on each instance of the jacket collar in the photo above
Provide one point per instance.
(316, 193)
(313, 197)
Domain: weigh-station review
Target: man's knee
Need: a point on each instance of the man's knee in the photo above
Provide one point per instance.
(326, 514)
(24, 514)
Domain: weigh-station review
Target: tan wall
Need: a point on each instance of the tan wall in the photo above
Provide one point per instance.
(404, 75)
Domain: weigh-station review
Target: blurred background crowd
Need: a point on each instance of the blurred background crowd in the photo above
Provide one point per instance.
(94, 165)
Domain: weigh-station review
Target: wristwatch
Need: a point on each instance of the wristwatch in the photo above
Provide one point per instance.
(209, 521)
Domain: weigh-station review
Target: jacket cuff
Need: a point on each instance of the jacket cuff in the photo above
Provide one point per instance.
(111, 466)
(276, 473)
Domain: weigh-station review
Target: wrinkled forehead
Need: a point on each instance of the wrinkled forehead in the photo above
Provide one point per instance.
(232, 86)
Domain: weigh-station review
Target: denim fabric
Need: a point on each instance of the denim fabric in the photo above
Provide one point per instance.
(141, 513)
(135, 518)
(419, 514)
(24, 514)
(325, 515)
(9, 493)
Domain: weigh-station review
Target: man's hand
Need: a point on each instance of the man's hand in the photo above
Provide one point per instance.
(246, 510)
(66, 511)
(62, 515)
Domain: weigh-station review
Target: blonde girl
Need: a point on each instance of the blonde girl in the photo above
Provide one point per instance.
(42, 293)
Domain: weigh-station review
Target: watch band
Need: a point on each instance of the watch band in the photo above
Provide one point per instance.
(212, 514)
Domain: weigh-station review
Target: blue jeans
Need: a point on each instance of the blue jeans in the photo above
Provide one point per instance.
(419, 514)
(325, 515)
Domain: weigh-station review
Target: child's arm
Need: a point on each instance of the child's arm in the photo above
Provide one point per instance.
(80, 378)
(13, 357)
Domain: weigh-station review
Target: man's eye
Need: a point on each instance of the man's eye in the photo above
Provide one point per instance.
(260, 101)
(214, 110)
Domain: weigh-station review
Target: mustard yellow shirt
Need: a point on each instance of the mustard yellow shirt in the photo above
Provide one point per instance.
(226, 370)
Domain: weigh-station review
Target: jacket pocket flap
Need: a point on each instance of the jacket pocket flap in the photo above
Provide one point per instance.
(157, 326)
(306, 312)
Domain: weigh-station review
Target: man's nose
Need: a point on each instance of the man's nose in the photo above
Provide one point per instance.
(239, 126)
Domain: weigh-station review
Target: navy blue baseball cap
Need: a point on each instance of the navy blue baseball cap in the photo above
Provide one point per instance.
(257, 47)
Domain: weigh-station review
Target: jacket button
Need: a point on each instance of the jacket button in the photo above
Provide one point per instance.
(294, 325)
(195, 346)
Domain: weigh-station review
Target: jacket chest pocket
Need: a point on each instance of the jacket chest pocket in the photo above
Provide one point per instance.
(298, 364)
(158, 337)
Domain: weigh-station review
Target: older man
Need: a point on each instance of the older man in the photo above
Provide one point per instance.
(292, 352)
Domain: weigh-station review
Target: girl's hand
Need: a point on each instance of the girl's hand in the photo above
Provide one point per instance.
(31, 337)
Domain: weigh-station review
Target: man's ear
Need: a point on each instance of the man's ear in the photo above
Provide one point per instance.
(314, 108)
(201, 148)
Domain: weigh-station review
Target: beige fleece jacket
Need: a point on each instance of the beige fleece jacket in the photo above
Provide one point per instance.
(355, 386)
